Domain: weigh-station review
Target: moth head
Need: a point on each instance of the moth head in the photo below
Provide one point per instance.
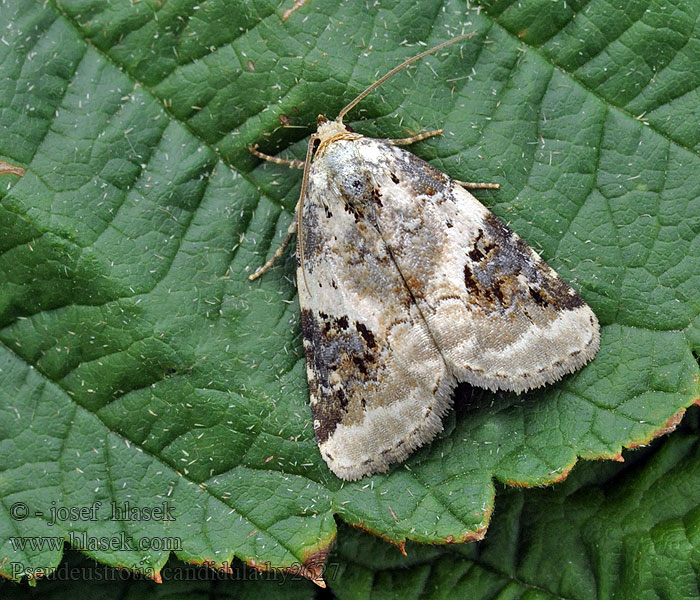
(329, 132)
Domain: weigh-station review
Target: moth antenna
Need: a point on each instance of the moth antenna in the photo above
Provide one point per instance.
(300, 209)
(398, 68)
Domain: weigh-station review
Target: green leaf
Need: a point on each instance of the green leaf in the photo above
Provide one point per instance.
(138, 364)
(610, 531)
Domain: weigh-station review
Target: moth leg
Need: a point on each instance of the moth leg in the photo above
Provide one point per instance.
(292, 164)
(472, 185)
(414, 138)
(280, 250)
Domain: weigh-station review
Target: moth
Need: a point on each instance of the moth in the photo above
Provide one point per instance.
(407, 285)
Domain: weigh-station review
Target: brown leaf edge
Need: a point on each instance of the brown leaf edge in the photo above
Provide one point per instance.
(479, 533)
(313, 564)
(465, 537)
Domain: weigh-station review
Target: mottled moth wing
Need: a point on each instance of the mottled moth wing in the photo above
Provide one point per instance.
(500, 316)
(408, 284)
(378, 384)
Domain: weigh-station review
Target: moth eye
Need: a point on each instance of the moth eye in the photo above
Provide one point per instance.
(316, 143)
(350, 129)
